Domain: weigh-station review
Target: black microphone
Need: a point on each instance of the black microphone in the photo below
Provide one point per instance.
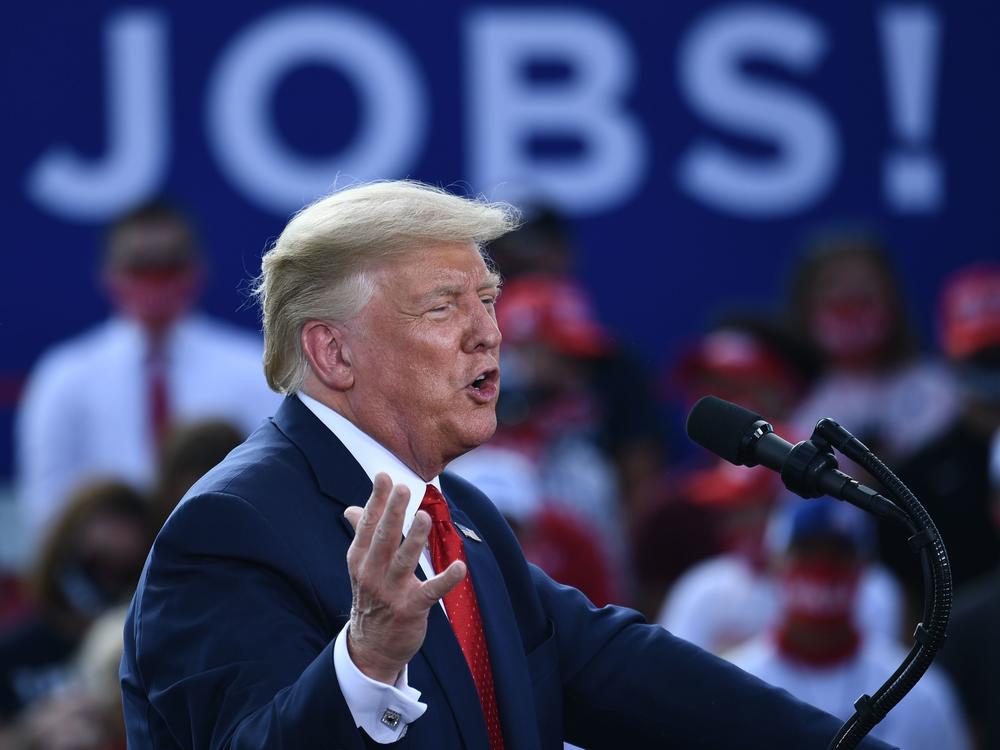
(736, 434)
(809, 469)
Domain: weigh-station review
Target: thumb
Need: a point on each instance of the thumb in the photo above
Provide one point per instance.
(440, 585)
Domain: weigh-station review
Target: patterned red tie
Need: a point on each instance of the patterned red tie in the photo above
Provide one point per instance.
(463, 609)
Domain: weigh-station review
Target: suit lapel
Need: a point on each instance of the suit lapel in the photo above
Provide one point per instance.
(443, 656)
(337, 473)
(445, 660)
(511, 678)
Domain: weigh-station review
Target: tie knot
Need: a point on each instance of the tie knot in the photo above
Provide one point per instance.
(435, 505)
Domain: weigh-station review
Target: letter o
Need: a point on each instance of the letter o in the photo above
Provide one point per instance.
(241, 129)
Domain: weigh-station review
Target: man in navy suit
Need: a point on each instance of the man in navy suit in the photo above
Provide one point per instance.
(327, 586)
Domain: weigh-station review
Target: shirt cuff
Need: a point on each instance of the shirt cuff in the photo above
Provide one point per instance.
(383, 711)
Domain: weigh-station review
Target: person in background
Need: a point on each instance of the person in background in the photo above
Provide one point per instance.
(553, 538)
(542, 244)
(189, 451)
(753, 361)
(846, 298)
(87, 713)
(950, 475)
(549, 410)
(726, 599)
(732, 597)
(971, 655)
(539, 259)
(101, 403)
(729, 598)
(90, 562)
(819, 651)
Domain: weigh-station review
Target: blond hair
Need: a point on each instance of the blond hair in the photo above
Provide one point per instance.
(319, 268)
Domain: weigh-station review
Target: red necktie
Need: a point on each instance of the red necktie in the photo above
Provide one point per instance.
(159, 400)
(463, 609)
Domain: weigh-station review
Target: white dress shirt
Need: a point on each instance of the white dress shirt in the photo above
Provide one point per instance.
(383, 711)
(722, 602)
(85, 409)
(927, 718)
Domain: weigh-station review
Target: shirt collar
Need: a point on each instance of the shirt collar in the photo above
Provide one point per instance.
(175, 338)
(372, 455)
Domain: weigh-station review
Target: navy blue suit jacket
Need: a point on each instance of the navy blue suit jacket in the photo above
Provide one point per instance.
(229, 641)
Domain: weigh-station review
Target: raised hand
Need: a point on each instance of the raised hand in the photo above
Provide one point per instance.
(389, 603)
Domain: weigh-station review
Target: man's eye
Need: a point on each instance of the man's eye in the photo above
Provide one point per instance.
(489, 300)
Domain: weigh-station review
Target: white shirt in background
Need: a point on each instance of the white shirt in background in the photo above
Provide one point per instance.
(85, 408)
(903, 409)
(721, 602)
(928, 717)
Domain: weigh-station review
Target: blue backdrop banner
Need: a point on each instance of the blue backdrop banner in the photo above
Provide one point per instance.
(693, 144)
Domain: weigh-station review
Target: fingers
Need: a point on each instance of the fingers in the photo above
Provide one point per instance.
(353, 515)
(434, 588)
(376, 553)
(365, 520)
(385, 540)
(408, 555)
(366, 523)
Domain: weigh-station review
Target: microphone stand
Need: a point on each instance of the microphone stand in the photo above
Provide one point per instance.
(808, 462)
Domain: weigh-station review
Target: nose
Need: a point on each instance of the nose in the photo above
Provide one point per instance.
(482, 334)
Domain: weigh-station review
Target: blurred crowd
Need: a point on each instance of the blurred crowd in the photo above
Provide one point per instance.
(116, 424)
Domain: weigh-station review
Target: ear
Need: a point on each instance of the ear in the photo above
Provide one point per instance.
(329, 357)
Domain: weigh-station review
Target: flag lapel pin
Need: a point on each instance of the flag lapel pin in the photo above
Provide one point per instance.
(469, 532)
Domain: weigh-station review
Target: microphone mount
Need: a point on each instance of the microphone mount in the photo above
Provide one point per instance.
(810, 469)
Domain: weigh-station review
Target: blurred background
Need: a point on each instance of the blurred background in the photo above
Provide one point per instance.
(790, 205)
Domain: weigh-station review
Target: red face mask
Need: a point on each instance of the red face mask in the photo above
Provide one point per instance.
(851, 331)
(819, 591)
(153, 298)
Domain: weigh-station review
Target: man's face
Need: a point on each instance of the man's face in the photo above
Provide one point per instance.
(150, 245)
(424, 353)
(818, 580)
(151, 273)
(850, 316)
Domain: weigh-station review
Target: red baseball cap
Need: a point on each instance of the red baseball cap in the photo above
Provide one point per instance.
(552, 310)
(970, 310)
(735, 354)
(724, 485)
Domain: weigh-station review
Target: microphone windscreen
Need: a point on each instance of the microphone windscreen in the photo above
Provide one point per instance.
(720, 426)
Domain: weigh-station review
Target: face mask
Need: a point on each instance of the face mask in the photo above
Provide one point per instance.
(90, 589)
(153, 298)
(819, 591)
(851, 331)
(526, 398)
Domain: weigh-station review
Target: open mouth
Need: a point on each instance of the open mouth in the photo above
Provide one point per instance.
(485, 386)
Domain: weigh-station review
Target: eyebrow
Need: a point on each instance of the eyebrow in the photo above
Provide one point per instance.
(491, 282)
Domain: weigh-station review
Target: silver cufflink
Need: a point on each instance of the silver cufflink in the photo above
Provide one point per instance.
(391, 718)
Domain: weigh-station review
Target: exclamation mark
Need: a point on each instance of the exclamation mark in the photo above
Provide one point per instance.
(912, 179)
